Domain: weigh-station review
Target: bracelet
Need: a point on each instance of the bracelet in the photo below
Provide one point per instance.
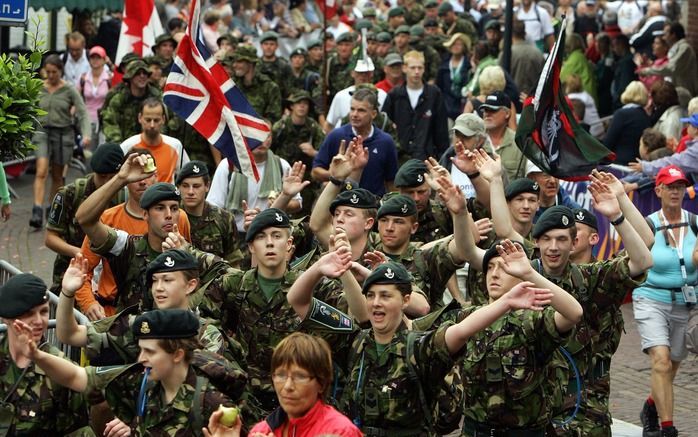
(335, 181)
(619, 220)
(69, 296)
(473, 175)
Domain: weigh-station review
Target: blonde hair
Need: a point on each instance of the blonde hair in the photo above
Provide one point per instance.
(635, 92)
(492, 79)
(693, 106)
(415, 55)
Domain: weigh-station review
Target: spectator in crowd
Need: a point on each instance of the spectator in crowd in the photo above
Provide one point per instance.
(604, 73)
(610, 24)
(493, 36)
(666, 112)
(393, 73)
(574, 90)
(630, 13)
(453, 74)
(94, 87)
(55, 136)
(165, 47)
(628, 123)
(491, 80)
(565, 9)
(75, 61)
(526, 60)
(480, 59)
(209, 28)
(586, 22)
(623, 68)
(277, 68)
(496, 111)
(682, 67)
(362, 74)
(660, 49)
(452, 23)
(653, 145)
(539, 25)
(551, 193)
(577, 64)
(642, 41)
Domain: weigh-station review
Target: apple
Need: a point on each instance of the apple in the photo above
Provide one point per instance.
(230, 415)
(149, 165)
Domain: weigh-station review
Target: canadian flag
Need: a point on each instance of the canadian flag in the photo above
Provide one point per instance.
(139, 28)
(328, 7)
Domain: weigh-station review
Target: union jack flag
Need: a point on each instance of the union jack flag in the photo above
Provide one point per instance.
(199, 90)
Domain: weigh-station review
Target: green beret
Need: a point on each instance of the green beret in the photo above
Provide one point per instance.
(356, 198)
(315, 42)
(404, 28)
(555, 217)
(227, 37)
(269, 36)
(411, 174)
(521, 185)
(159, 192)
(363, 24)
(390, 272)
(493, 253)
(173, 323)
(20, 294)
(170, 261)
(192, 169)
(269, 218)
(400, 205)
(298, 51)
(417, 30)
(431, 4)
(165, 37)
(396, 12)
(384, 37)
(107, 158)
(345, 37)
(582, 215)
(445, 7)
(493, 25)
(368, 12)
(245, 53)
(134, 67)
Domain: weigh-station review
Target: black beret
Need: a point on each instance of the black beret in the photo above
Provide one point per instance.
(159, 192)
(107, 158)
(521, 185)
(400, 205)
(411, 174)
(390, 272)
(20, 294)
(170, 261)
(173, 323)
(192, 169)
(356, 198)
(555, 217)
(493, 253)
(269, 218)
(582, 215)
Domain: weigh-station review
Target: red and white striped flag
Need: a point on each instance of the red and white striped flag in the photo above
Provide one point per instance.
(139, 28)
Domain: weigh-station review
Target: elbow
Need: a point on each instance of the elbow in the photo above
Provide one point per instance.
(577, 314)
(418, 309)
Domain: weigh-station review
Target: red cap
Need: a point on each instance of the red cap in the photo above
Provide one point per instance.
(670, 174)
(99, 51)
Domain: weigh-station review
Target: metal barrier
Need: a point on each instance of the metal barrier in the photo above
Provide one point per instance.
(7, 271)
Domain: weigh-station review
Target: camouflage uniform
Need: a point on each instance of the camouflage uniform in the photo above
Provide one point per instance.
(380, 391)
(460, 25)
(215, 232)
(61, 218)
(434, 223)
(338, 76)
(120, 117)
(37, 406)
(188, 412)
(264, 95)
(414, 13)
(600, 288)
(278, 71)
(198, 148)
(308, 80)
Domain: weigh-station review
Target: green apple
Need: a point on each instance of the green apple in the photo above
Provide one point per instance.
(230, 415)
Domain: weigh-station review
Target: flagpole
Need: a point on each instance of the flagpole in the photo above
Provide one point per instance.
(324, 58)
(508, 23)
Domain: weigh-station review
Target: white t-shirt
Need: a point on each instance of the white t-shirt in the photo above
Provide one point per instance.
(629, 16)
(170, 167)
(341, 105)
(414, 95)
(537, 21)
(218, 193)
(462, 181)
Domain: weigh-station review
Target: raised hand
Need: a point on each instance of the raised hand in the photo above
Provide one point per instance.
(525, 297)
(610, 180)
(360, 272)
(451, 195)
(248, 214)
(358, 154)
(484, 226)
(95, 312)
(375, 258)
(293, 182)
(463, 160)
(636, 166)
(338, 239)
(132, 170)
(308, 149)
(75, 275)
(26, 346)
(174, 240)
(340, 166)
(434, 171)
(515, 261)
(604, 200)
(488, 167)
(334, 264)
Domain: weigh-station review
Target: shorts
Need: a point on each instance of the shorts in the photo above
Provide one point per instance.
(662, 324)
(56, 144)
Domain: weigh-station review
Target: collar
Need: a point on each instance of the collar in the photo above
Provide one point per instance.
(370, 134)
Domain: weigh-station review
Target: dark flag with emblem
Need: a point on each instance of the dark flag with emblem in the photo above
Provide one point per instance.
(548, 133)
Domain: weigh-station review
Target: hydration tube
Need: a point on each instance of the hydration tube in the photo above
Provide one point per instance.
(578, 378)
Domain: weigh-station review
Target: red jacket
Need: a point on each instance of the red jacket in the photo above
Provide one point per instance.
(321, 419)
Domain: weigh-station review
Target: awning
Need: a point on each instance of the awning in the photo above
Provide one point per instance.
(91, 5)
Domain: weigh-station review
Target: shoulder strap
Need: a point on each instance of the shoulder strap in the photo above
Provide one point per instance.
(16, 384)
(198, 402)
(650, 223)
(693, 222)
(412, 338)
(579, 283)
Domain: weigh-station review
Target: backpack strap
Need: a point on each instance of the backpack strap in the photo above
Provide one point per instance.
(579, 283)
(412, 338)
(198, 402)
(693, 223)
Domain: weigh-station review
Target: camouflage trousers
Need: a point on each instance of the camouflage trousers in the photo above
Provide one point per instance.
(592, 420)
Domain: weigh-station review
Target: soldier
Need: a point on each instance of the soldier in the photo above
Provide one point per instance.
(434, 36)
(341, 103)
(384, 44)
(315, 56)
(451, 23)
(401, 40)
(119, 87)
(414, 12)
(432, 60)
(213, 229)
(30, 403)
(396, 18)
(412, 179)
(273, 66)
(63, 234)
(165, 46)
(167, 392)
(120, 115)
(301, 78)
(339, 66)
(386, 361)
(261, 91)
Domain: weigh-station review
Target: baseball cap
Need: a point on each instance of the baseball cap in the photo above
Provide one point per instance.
(692, 120)
(469, 125)
(393, 59)
(670, 174)
(99, 51)
(496, 101)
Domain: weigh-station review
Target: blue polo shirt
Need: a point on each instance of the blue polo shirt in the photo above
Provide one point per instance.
(382, 161)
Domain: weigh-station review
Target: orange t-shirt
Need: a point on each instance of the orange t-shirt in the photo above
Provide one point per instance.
(118, 218)
(169, 155)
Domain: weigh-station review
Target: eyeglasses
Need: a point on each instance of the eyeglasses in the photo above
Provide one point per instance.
(672, 187)
(296, 378)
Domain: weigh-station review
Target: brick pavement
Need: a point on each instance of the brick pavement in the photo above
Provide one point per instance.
(25, 249)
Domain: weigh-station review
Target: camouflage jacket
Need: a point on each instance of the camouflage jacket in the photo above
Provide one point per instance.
(414, 13)
(215, 232)
(286, 137)
(278, 71)
(380, 390)
(188, 412)
(504, 369)
(120, 117)
(461, 25)
(338, 76)
(307, 80)
(37, 407)
(61, 218)
(264, 95)
(434, 223)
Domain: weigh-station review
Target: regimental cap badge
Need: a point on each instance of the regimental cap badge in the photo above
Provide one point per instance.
(176, 191)
(169, 262)
(535, 185)
(565, 220)
(145, 328)
(404, 208)
(420, 178)
(278, 217)
(354, 199)
(580, 215)
(195, 169)
(389, 273)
